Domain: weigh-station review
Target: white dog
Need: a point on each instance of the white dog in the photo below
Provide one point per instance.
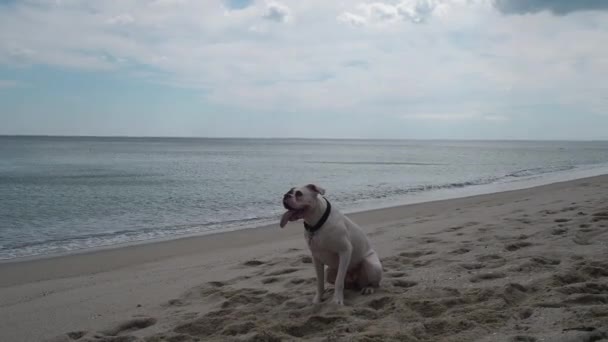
(334, 240)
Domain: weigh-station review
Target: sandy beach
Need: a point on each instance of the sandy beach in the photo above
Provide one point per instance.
(525, 265)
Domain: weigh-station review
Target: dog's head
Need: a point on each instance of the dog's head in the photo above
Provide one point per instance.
(298, 201)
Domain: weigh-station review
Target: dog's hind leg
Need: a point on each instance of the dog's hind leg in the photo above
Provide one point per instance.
(370, 273)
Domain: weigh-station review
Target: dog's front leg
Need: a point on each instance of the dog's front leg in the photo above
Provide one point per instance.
(345, 256)
(319, 269)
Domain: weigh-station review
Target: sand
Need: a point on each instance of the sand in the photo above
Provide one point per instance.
(525, 265)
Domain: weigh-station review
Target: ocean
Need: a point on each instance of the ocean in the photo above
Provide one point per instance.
(66, 194)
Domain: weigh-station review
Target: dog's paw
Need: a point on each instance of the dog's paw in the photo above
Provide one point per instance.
(339, 301)
(367, 291)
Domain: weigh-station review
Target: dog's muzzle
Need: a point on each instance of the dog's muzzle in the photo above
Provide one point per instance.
(285, 204)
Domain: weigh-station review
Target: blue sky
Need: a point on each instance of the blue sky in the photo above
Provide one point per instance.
(435, 69)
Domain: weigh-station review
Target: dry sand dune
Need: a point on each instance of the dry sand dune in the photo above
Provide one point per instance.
(528, 265)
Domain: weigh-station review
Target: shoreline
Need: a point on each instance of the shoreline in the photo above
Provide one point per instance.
(153, 250)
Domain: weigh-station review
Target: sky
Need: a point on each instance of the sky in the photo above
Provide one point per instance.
(401, 69)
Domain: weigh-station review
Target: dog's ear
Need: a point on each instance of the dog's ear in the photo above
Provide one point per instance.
(316, 189)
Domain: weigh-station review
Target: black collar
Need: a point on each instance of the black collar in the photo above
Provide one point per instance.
(313, 229)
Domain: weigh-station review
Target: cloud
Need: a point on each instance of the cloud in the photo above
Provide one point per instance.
(414, 11)
(352, 19)
(379, 11)
(558, 7)
(464, 58)
(417, 11)
(277, 12)
(121, 19)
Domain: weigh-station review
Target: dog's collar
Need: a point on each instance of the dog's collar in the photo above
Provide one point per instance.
(312, 229)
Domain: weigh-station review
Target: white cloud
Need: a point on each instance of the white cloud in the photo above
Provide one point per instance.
(352, 19)
(277, 12)
(415, 11)
(379, 11)
(121, 19)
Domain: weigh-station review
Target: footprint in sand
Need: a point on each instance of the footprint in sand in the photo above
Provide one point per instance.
(380, 303)
(270, 280)
(517, 246)
(472, 266)
(282, 272)
(461, 250)
(301, 259)
(427, 308)
(404, 283)
(582, 238)
(492, 260)
(525, 313)
(416, 254)
(487, 276)
(130, 326)
(365, 313)
(588, 299)
(71, 336)
(206, 326)
(176, 302)
(422, 263)
(240, 300)
(306, 259)
(454, 229)
(253, 263)
(216, 283)
(238, 329)
(535, 264)
(298, 281)
(514, 293)
(540, 260)
(314, 325)
(396, 274)
(584, 288)
(559, 231)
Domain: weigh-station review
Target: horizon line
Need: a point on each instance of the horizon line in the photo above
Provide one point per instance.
(285, 138)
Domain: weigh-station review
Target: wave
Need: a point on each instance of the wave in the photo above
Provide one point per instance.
(74, 243)
(539, 171)
(397, 192)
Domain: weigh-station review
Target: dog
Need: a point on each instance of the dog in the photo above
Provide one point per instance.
(334, 241)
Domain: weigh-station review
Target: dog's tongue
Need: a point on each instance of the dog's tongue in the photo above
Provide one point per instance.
(291, 215)
(286, 217)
